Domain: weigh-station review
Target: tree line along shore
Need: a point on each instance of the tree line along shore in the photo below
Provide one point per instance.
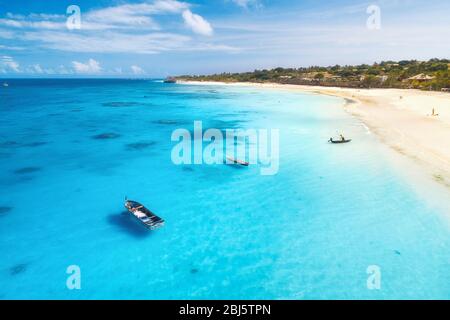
(407, 74)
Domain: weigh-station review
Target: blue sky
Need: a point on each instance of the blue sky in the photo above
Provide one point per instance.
(156, 38)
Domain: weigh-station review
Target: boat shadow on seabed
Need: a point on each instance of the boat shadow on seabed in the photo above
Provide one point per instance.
(126, 223)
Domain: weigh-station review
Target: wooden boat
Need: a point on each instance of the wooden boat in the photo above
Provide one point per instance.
(144, 215)
(240, 162)
(170, 80)
(339, 141)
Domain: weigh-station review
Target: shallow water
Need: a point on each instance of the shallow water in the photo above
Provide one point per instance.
(71, 150)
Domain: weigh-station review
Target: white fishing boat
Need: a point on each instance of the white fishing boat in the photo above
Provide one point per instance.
(239, 162)
(144, 215)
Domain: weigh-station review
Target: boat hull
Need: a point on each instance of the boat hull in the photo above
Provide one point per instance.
(340, 141)
(237, 162)
(144, 215)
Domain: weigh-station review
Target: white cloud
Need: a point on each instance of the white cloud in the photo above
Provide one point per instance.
(134, 14)
(109, 42)
(126, 28)
(6, 34)
(197, 23)
(7, 63)
(170, 6)
(117, 42)
(126, 16)
(63, 70)
(34, 20)
(13, 48)
(248, 3)
(91, 66)
(37, 68)
(137, 70)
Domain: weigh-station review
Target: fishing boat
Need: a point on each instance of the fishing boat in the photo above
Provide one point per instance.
(170, 80)
(144, 215)
(340, 141)
(5, 84)
(240, 162)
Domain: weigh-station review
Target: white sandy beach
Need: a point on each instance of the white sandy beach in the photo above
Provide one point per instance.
(400, 118)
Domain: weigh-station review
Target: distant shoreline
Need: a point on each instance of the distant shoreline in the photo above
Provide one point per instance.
(431, 75)
(400, 118)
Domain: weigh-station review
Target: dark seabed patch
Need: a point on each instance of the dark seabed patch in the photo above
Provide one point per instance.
(187, 169)
(106, 136)
(4, 210)
(228, 115)
(169, 122)
(27, 170)
(35, 144)
(140, 145)
(194, 271)
(248, 112)
(18, 269)
(9, 144)
(120, 104)
(227, 124)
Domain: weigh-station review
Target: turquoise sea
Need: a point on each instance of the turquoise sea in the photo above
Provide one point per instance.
(72, 150)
